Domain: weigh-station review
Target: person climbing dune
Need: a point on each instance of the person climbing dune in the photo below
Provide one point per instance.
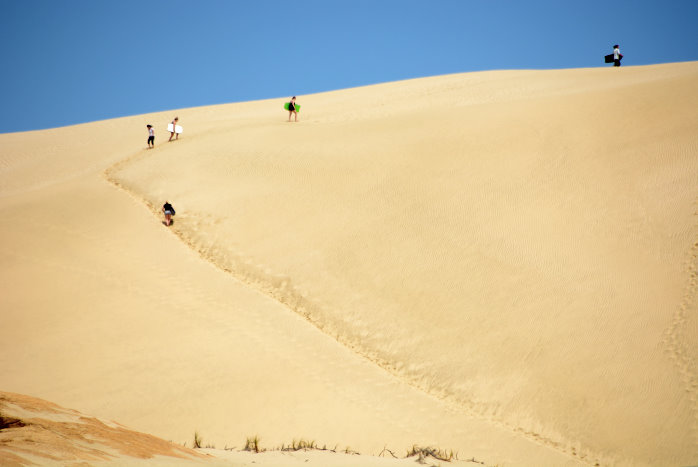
(174, 129)
(151, 136)
(292, 109)
(169, 212)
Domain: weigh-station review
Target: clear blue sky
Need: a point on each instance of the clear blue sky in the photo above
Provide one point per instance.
(74, 61)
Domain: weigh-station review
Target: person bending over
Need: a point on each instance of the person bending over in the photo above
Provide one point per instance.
(169, 212)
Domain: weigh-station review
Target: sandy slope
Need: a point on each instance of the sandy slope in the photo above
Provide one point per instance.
(33, 431)
(37, 432)
(499, 263)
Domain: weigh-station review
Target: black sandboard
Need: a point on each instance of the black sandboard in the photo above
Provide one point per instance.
(609, 58)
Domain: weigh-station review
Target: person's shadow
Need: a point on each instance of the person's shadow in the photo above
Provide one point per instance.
(165, 223)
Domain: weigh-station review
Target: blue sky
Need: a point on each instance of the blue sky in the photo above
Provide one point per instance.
(74, 61)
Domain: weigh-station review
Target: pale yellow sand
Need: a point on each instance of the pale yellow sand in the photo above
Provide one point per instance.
(37, 432)
(500, 263)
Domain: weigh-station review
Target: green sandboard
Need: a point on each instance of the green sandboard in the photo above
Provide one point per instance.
(287, 104)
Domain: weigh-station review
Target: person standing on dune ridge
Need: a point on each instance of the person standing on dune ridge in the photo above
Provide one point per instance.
(617, 56)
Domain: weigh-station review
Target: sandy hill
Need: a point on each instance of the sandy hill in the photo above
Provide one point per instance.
(37, 432)
(499, 263)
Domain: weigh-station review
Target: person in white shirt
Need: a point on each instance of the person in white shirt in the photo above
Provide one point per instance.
(617, 56)
(151, 137)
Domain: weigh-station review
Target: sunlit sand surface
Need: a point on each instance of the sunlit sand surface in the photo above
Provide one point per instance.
(502, 264)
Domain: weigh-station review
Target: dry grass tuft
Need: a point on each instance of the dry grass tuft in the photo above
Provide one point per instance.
(301, 444)
(197, 440)
(252, 444)
(424, 453)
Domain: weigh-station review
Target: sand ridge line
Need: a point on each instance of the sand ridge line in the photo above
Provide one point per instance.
(261, 278)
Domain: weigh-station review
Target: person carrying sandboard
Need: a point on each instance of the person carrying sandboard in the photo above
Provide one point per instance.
(173, 132)
(292, 110)
(617, 56)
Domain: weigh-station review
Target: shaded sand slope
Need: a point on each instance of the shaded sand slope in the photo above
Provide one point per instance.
(36, 432)
(520, 244)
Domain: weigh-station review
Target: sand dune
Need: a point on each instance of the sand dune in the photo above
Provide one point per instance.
(37, 432)
(499, 263)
